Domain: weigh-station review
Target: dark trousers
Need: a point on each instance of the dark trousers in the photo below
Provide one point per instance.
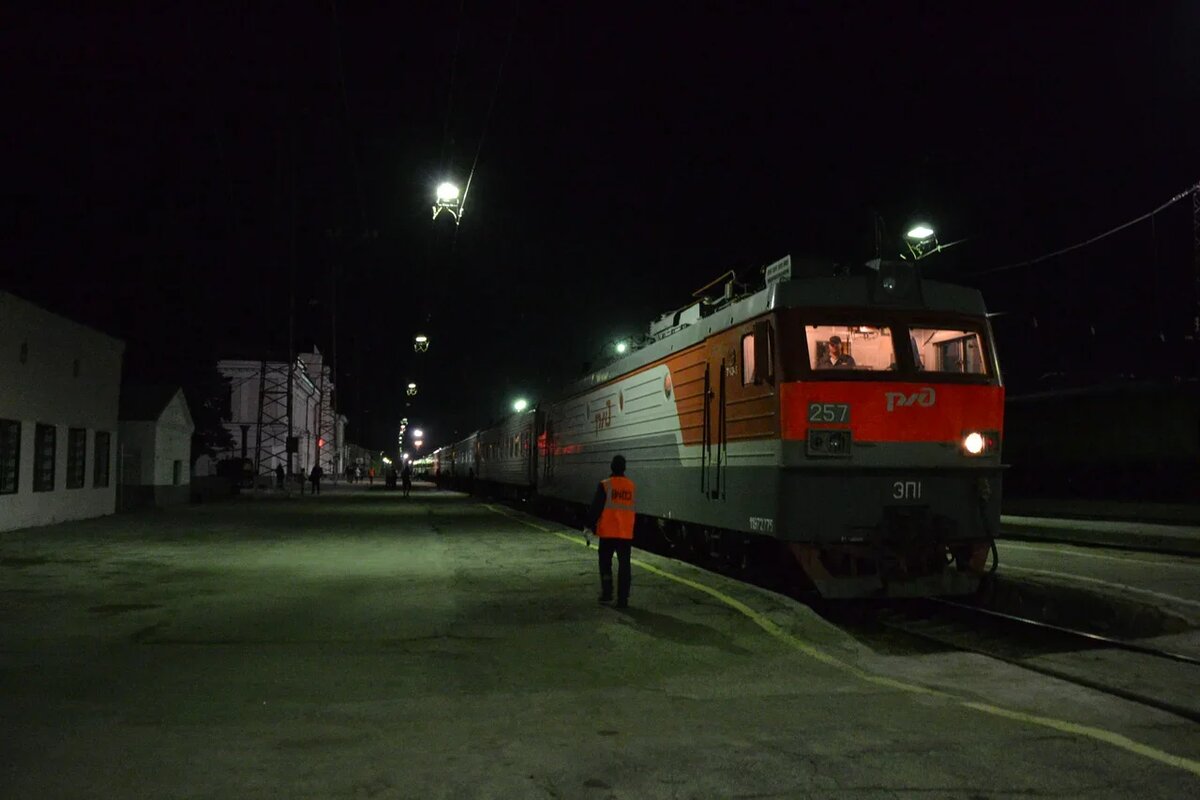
(621, 547)
(316, 484)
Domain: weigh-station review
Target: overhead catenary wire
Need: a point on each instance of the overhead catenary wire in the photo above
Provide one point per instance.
(1149, 214)
(341, 80)
(512, 27)
(447, 143)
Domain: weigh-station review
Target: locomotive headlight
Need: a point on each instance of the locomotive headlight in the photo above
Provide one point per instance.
(974, 443)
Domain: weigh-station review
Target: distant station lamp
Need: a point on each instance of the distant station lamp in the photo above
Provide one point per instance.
(520, 404)
(411, 390)
(418, 444)
(448, 200)
(621, 347)
(420, 343)
(404, 456)
(418, 433)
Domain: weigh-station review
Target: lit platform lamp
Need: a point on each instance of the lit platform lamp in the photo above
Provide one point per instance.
(448, 200)
(922, 241)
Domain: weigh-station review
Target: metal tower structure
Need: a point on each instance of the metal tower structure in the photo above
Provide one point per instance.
(328, 445)
(274, 419)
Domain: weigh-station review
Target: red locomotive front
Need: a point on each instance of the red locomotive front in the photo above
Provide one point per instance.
(891, 421)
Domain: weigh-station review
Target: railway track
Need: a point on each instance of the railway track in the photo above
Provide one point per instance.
(1143, 674)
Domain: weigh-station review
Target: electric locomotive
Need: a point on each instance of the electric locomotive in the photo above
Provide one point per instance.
(847, 426)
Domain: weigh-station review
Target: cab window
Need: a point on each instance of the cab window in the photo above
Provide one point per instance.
(949, 350)
(748, 359)
(860, 348)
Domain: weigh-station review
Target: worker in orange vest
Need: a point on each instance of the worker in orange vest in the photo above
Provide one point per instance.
(611, 517)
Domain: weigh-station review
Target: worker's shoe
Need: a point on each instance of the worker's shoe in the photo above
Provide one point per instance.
(606, 598)
(623, 602)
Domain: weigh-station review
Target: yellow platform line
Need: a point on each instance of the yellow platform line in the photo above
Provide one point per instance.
(1098, 734)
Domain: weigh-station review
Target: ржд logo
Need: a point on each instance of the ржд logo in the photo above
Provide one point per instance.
(924, 398)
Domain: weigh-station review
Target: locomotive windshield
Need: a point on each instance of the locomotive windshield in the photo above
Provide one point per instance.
(860, 346)
(851, 347)
(948, 350)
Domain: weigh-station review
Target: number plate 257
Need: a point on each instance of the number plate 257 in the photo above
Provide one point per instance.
(828, 412)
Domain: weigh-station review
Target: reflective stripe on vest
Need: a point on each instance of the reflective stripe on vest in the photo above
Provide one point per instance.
(616, 520)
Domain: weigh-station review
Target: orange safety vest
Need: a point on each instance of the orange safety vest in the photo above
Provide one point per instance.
(616, 520)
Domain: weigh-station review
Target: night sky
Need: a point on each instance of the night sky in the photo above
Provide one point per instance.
(167, 170)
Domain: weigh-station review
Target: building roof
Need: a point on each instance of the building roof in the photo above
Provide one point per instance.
(145, 403)
(7, 297)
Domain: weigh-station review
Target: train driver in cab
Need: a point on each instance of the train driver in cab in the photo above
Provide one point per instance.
(834, 358)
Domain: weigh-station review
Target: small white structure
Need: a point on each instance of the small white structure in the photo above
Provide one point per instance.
(155, 446)
(59, 384)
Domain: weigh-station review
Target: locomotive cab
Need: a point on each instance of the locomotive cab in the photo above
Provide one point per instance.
(891, 416)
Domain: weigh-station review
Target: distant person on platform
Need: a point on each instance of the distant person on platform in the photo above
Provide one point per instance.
(279, 475)
(314, 478)
(371, 475)
(406, 478)
(611, 517)
(834, 358)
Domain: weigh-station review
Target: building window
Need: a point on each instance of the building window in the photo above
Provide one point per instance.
(101, 457)
(177, 473)
(76, 457)
(44, 445)
(10, 455)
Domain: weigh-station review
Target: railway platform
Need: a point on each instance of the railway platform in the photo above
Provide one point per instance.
(360, 645)
(1122, 530)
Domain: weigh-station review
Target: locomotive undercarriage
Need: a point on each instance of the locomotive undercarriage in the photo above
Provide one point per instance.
(880, 567)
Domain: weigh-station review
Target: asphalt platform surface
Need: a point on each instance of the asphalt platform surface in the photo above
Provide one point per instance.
(358, 645)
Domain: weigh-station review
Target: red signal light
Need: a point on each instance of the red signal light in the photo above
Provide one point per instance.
(320, 442)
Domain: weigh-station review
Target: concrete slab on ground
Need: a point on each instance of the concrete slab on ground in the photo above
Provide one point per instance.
(358, 645)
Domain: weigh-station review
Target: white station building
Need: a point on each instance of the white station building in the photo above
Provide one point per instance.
(60, 385)
(258, 414)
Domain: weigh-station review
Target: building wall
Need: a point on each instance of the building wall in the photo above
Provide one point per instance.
(173, 442)
(137, 453)
(57, 372)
